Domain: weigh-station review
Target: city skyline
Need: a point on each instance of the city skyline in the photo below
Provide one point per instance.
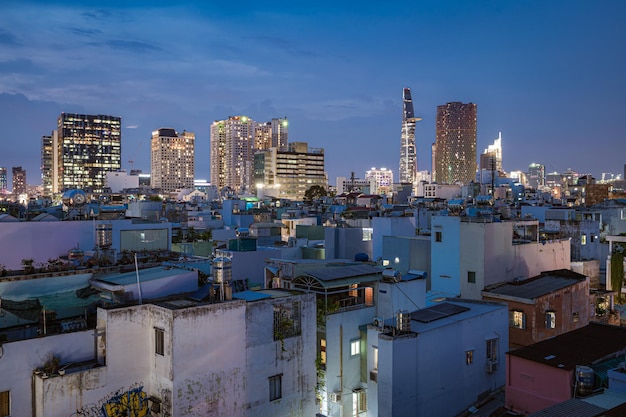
(545, 75)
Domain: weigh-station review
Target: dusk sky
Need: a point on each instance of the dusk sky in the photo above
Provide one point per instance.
(550, 75)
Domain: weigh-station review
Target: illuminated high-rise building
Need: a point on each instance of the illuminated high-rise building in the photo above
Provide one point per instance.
(536, 176)
(289, 173)
(490, 166)
(272, 134)
(408, 148)
(234, 142)
(4, 183)
(381, 180)
(455, 143)
(172, 160)
(19, 180)
(81, 151)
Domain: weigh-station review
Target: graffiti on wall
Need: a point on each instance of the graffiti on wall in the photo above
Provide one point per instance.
(131, 402)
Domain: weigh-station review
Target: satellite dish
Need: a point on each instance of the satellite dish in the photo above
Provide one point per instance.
(74, 198)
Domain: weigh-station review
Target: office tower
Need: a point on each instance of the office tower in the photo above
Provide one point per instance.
(408, 148)
(81, 151)
(234, 142)
(455, 143)
(49, 163)
(490, 164)
(536, 176)
(272, 134)
(172, 160)
(4, 183)
(289, 173)
(381, 180)
(19, 180)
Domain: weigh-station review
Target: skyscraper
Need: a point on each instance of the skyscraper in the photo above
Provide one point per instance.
(490, 165)
(289, 173)
(81, 151)
(408, 148)
(455, 144)
(536, 176)
(19, 180)
(4, 183)
(234, 142)
(172, 159)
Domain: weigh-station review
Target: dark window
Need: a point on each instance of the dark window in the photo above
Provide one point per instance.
(438, 236)
(276, 387)
(471, 277)
(159, 341)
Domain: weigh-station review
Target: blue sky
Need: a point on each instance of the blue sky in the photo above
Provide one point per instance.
(548, 74)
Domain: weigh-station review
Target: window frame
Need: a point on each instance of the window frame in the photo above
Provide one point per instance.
(517, 319)
(492, 347)
(469, 356)
(159, 341)
(5, 403)
(275, 387)
(471, 277)
(438, 236)
(550, 319)
(355, 346)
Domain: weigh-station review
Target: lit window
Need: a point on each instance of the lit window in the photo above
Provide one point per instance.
(355, 347)
(359, 398)
(575, 316)
(517, 319)
(5, 409)
(550, 320)
(276, 387)
(469, 357)
(375, 355)
(367, 233)
(159, 341)
(471, 277)
(323, 351)
(583, 239)
(438, 236)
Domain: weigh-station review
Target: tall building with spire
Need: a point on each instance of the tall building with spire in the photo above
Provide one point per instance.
(454, 151)
(172, 160)
(408, 148)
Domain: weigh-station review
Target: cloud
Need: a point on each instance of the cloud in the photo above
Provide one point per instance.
(133, 46)
(8, 38)
(99, 14)
(132, 126)
(19, 66)
(281, 43)
(85, 32)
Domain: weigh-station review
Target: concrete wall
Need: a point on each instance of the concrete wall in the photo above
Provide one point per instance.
(445, 263)
(532, 386)
(426, 373)
(389, 226)
(344, 243)
(19, 360)
(405, 253)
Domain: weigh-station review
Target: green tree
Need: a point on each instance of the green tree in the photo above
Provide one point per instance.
(315, 192)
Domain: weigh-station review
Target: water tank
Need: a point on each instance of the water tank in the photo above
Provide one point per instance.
(74, 198)
(585, 379)
(222, 269)
(361, 257)
(403, 321)
(104, 235)
(391, 275)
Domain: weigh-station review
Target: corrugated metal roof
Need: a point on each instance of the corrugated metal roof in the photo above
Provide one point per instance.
(331, 273)
(579, 347)
(570, 408)
(546, 283)
(250, 295)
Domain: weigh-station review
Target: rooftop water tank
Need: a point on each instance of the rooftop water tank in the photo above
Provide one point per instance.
(74, 198)
(403, 321)
(585, 379)
(222, 269)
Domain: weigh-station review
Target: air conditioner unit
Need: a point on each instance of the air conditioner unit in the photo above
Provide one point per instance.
(374, 375)
(492, 366)
(378, 322)
(335, 397)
